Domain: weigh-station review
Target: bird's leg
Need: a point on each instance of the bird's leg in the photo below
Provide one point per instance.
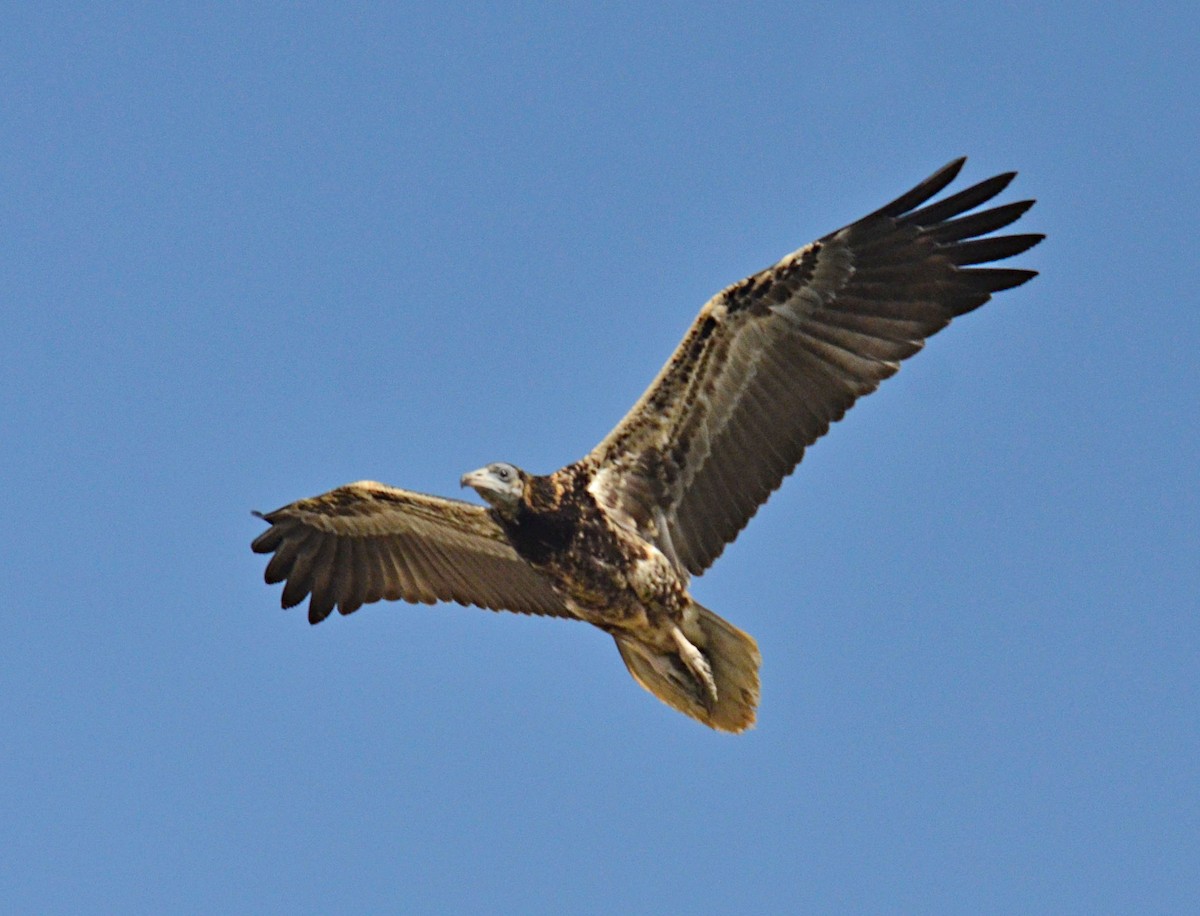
(696, 663)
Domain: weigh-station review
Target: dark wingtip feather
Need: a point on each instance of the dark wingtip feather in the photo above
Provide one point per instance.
(318, 610)
(991, 248)
(995, 279)
(277, 570)
(961, 202)
(294, 591)
(922, 192)
(268, 541)
(966, 227)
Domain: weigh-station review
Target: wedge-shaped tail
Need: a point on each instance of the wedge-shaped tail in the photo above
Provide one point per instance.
(732, 656)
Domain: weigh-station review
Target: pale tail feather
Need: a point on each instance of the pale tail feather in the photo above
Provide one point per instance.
(733, 656)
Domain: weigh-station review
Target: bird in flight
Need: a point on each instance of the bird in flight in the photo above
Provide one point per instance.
(614, 538)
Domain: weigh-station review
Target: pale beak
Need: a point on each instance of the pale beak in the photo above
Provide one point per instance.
(474, 478)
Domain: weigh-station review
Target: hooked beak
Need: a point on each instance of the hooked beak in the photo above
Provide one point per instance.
(473, 478)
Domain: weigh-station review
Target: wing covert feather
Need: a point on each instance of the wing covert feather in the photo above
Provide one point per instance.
(773, 360)
(366, 541)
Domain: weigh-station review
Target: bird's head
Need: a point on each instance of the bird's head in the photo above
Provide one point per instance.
(501, 484)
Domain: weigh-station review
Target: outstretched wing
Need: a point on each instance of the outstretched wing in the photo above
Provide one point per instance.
(366, 541)
(773, 360)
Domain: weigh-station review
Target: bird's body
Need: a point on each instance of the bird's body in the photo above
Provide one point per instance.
(610, 575)
(558, 530)
(606, 575)
(614, 538)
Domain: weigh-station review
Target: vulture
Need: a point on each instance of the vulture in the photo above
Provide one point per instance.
(614, 538)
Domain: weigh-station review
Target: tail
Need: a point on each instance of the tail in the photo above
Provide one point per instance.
(732, 656)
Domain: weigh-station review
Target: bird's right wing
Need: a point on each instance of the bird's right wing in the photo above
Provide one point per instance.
(365, 541)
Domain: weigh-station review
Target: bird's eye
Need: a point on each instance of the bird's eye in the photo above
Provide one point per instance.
(502, 473)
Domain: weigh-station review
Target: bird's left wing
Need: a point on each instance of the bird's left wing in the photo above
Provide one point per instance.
(771, 361)
(366, 541)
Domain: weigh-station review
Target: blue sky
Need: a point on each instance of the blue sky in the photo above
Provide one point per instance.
(257, 251)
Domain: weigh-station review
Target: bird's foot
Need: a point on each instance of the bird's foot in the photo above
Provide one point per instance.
(697, 664)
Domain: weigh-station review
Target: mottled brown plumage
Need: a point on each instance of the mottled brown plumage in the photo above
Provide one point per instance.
(768, 365)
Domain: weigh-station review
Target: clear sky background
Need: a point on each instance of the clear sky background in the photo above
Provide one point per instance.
(251, 252)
